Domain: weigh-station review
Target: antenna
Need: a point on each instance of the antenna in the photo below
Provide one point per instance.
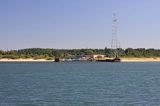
(114, 36)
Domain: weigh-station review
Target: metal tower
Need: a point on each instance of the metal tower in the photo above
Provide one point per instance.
(114, 42)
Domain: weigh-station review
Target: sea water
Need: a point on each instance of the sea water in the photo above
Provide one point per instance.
(79, 84)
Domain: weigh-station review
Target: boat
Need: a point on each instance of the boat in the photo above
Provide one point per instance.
(116, 60)
(110, 60)
(57, 60)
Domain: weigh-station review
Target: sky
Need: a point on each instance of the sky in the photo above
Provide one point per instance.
(69, 24)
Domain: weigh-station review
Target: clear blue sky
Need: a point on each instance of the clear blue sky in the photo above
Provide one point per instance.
(78, 23)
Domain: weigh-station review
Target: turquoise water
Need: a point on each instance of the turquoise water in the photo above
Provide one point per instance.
(80, 84)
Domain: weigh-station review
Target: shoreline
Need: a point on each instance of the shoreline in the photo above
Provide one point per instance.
(140, 59)
(25, 60)
(44, 60)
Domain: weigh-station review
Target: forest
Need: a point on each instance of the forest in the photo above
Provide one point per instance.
(48, 53)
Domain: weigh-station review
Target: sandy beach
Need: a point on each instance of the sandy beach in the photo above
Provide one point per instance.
(140, 59)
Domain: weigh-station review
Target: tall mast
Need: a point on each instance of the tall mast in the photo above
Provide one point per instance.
(114, 36)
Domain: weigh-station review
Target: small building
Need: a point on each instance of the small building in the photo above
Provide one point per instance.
(98, 56)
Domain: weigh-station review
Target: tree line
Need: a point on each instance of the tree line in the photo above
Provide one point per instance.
(47, 53)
